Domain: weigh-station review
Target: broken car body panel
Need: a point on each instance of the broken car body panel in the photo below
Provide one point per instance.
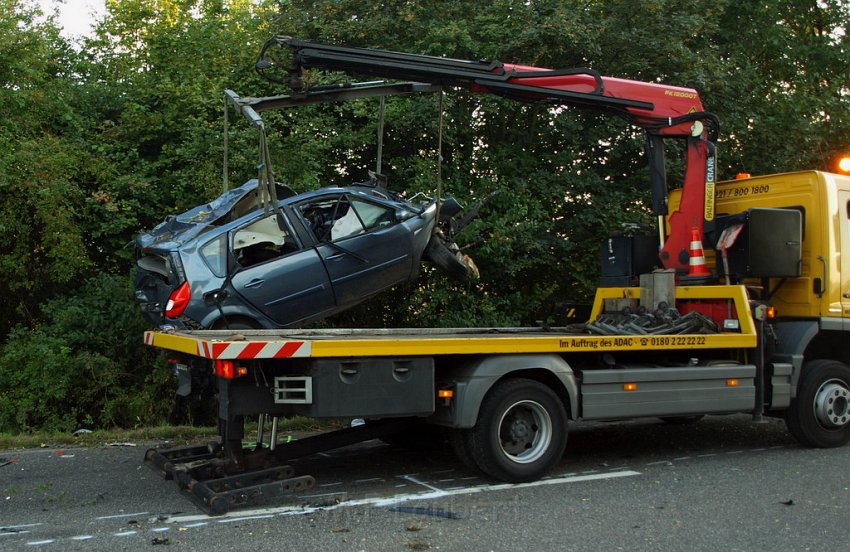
(315, 255)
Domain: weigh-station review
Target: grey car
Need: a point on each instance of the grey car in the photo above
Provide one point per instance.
(235, 263)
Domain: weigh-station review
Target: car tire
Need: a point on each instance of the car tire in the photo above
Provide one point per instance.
(439, 254)
(820, 414)
(238, 323)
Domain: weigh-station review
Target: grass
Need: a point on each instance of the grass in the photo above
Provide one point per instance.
(178, 434)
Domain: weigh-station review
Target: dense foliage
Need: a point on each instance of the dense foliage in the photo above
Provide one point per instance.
(104, 136)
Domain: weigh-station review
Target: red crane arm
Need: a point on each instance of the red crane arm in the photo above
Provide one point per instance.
(663, 111)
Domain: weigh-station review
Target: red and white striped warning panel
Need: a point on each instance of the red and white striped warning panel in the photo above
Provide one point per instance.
(253, 349)
(229, 350)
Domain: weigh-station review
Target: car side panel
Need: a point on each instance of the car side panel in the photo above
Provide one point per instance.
(287, 289)
(362, 265)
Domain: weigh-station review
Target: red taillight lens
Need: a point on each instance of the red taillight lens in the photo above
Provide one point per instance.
(229, 370)
(178, 301)
(225, 369)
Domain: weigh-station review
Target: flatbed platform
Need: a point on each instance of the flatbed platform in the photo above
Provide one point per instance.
(335, 343)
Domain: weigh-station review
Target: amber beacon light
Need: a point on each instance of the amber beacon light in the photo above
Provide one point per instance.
(842, 163)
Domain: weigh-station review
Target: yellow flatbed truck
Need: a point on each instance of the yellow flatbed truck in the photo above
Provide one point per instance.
(765, 345)
(506, 395)
(758, 326)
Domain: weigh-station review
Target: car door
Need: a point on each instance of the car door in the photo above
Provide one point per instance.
(363, 246)
(277, 276)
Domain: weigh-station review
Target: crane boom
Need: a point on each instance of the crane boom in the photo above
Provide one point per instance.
(662, 111)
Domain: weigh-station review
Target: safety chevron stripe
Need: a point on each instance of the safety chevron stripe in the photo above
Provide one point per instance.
(253, 349)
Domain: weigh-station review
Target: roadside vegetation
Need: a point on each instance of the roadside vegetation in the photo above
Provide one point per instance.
(104, 136)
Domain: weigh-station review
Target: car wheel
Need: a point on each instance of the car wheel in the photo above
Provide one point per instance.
(820, 414)
(521, 431)
(453, 263)
(237, 323)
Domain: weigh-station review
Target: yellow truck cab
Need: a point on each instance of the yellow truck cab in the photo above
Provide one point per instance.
(823, 288)
(812, 303)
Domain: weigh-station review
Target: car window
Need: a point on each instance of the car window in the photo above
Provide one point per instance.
(261, 241)
(340, 217)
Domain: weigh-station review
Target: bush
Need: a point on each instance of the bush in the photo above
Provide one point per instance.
(85, 366)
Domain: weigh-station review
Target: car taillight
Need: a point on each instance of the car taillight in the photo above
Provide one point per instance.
(178, 300)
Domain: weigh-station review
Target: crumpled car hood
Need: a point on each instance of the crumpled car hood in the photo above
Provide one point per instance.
(178, 229)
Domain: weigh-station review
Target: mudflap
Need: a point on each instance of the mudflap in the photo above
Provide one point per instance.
(215, 483)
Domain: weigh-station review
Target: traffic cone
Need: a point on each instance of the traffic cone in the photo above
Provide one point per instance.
(697, 267)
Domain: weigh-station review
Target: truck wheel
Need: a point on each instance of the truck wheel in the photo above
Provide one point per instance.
(459, 441)
(521, 431)
(820, 415)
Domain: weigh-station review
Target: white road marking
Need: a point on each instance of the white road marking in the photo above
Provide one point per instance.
(125, 534)
(39, 543)
(418, 482)
(82, 537)
(244, 518)
(370, 480)
(117, 516)
(380, 502)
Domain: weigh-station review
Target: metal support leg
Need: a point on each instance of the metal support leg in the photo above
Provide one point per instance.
(273, 438)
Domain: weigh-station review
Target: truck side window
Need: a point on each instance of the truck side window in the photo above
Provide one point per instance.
(261, 241)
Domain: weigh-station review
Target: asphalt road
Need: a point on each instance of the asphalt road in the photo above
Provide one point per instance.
(722, 484)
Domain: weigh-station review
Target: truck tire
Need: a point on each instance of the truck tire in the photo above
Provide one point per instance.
(459, 441)
(521, 431)
(820, 415)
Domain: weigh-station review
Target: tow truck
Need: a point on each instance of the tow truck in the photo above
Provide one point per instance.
(751, 322)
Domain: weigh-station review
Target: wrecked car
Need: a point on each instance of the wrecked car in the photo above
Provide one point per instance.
(236, 263)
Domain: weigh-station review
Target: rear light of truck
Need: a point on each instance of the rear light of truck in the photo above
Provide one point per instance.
(178, 301)
(229, 370)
